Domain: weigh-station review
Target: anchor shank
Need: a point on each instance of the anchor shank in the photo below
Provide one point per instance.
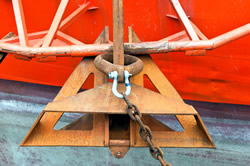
(118, 32)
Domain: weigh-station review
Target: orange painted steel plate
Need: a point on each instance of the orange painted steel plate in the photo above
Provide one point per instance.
(223, 75)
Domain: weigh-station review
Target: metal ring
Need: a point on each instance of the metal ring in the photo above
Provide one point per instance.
(145, 133)
(156, 153)
(132, 64)
(133, 111)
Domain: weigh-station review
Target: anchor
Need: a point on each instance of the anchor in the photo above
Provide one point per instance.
(113, 118)
(119, 112)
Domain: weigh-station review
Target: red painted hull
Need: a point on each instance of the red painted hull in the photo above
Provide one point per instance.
(223, 75)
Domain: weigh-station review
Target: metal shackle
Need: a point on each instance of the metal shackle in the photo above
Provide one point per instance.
(114, 75)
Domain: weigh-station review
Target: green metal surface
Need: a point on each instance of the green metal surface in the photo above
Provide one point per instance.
(232, 138)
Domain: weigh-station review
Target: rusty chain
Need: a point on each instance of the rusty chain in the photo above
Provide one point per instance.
(144, 131)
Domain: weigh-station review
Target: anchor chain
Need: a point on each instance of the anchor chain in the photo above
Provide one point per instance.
(144, 131)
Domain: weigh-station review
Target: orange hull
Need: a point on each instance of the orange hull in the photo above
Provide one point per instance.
(223, 75)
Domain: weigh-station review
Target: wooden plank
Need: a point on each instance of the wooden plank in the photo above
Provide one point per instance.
(39, 43)
(31, 36)
(184, 20)
(118, 32)
(193, 29)
(68, 20)
(196, 29)
(20, 22)
(73, 16)
(68, 39)
(55, 24)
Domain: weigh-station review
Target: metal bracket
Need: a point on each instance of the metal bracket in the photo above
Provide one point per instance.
(42, 133)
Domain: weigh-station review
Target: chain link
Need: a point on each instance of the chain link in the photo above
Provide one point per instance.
(144, 131)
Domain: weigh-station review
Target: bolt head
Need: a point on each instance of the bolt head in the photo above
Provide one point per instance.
(113, 75)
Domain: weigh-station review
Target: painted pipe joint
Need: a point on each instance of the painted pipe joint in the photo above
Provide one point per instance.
(114, 75)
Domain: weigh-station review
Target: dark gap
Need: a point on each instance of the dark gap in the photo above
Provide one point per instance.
(2, 56)
(119, 127)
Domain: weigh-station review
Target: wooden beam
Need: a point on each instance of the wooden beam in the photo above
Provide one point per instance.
(20, 22)
(188, 27)
(55, 24)
(175, 17)
(118, 32)
(73, 16)
(184, 20)
(39, 43)
(196, 29)
(68, 39)
(31, 36)
(68, 20)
